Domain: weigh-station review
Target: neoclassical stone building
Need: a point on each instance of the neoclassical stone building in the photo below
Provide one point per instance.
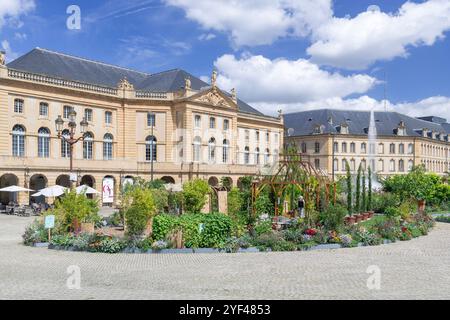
(187, 128)
(330, 138)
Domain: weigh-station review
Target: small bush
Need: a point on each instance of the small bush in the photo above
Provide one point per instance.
(163, 224)
(393, 212)
(217, 228)
(263, 227)
(332, 218)
(140, 211)
(35, 233)
(194, 195)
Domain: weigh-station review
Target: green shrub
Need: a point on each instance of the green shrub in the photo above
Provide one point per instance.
(142, 208)
(381, 201)
(111, 245)
(217, 228)
(393, 212)
(332, 218)
(194, 195)
(267, 240)
(445, 219)
(293, 235)
(161, 199)
(74, 208)
(163, 224)
(35, 233)
(263, 227)
(189, 224)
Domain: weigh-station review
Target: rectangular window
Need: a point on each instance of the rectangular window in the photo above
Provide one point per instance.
(336, 147)
(43, 109)
(66, 111)
(257, 136)
(267, 137)
(212, 123)
(352, 147)
(18, 106)
(108, 117)
(88, 114)
(317, 147)
(226, 125)
(304, 147)
(151, 119)
(317, 163)
(198, 121)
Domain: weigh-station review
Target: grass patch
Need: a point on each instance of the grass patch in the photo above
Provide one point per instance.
(375, 220)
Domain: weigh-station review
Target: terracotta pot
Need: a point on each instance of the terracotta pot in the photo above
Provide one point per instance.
(365, 215)
(87, 227)
(421, 205)
(350, 220)
(371, 213)
(358, 218)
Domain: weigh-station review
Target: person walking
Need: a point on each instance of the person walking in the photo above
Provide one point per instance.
(301, 207)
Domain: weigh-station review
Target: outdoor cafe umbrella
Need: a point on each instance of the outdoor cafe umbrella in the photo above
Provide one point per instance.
(85, 189)
(15, 189)
(54, 191)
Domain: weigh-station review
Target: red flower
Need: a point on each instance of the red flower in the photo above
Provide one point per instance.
(311, 232)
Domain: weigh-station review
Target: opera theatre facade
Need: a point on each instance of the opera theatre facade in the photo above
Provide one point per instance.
(169, 125)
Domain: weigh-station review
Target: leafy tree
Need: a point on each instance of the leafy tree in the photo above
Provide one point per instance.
(194, 195)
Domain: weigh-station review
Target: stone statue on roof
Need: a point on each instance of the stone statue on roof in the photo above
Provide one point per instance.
(2, 58)
(214, 78)
(233, 94)
(187, 83)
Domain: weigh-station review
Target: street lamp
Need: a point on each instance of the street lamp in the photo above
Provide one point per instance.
(71, 140)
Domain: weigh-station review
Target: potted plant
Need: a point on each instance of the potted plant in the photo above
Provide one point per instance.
(350, 220)
(366, 215)
(358, 218)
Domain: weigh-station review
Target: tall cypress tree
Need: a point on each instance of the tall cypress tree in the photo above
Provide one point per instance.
(358, 191)
(369, 196)
(364, 198)
(349, 188)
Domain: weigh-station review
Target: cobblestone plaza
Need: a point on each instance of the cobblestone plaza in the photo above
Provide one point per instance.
(416, 269)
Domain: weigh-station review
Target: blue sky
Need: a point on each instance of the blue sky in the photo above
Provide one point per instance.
(293, 54)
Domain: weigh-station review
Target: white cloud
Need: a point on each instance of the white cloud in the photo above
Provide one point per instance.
(13, 9)
(355, 43)
(10, 54)
(258, 79)
(256, 22)
(206, 36)
(432, 106)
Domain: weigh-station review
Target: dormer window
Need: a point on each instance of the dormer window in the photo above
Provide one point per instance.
(318, 129)
(401, 130)
(343, 128)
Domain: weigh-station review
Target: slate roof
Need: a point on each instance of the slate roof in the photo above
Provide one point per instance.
(62, 66)
(304, 123)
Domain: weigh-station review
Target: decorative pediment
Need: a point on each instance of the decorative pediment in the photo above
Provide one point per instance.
(215, 98)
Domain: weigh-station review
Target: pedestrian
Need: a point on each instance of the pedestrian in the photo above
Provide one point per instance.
(301, 207)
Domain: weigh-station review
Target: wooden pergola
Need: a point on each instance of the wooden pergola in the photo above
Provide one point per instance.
(294, 170)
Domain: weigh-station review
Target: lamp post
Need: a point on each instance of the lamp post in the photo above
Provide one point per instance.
(151, 115)
(71, 140)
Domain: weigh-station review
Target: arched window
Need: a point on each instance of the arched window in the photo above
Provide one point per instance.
(410, 148)
(43, 143)
(150, 148)
(247, 155)
(401, 166)
(392, 165)
(363, 147)
(225, 151)
(352, 147)
(212, 150)
(401, 148)
(266, 156)
(392, 148)
(353, 165)
(88, 146)
(257, 156)
(363, 164)
(344, 147)
(108, 146)
(410, 165)
(197, 149)
(381, 148)
(381, 165)
(65, 147)
(18, 141)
